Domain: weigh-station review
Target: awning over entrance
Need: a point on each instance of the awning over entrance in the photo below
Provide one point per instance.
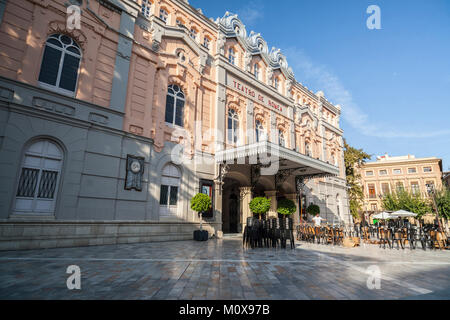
(289, 162)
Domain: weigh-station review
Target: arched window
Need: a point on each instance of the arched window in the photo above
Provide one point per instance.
(256, 71)
(333, 160)
(260, 133)
(60, 64)
(281, 140)
(338, 206)
(231, 56)
(206, 42)
(193, 33)
(146, 8)
(39, 179)
(308, 149)
(180, 23)
(175, 105)
(170, 186)
(233, 126)
(163, 15)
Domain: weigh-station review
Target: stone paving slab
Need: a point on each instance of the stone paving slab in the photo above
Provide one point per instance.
(222, 269)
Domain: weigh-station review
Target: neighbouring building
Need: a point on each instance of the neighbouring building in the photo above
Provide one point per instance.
(446, 179)
(392, 174)
(115, 113)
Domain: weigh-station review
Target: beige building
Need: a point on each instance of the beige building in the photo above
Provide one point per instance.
(390, 174)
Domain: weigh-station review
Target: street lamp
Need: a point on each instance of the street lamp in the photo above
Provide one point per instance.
(432, 193)
(348, 204)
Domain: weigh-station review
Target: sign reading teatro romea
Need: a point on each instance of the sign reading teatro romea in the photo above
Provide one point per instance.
(259, 97)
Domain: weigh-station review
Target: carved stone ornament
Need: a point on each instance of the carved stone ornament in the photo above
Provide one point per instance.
(134, 173)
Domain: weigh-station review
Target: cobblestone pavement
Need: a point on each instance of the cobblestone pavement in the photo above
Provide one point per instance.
(222, 269)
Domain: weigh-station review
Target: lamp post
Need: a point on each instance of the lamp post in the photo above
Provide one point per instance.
(348, 204)
(432, 193)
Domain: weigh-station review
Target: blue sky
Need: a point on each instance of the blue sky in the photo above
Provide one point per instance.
(393, 83)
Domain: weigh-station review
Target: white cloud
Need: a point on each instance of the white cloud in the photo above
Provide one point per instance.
(251, 12)
(335, 91)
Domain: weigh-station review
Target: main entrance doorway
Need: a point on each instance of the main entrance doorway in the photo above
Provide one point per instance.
(231, 213)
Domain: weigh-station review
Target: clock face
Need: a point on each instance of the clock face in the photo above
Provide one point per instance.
(135, 166)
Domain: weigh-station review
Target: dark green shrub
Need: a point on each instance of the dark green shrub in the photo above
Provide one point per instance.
(286, 207)
(313, 209)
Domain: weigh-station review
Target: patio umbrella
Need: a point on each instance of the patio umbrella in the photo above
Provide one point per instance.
(383, 216)
(404, 214)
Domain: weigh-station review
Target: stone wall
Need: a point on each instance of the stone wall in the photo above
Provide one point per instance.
(62, 234)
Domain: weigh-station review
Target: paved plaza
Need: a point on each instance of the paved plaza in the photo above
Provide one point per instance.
(222, 269)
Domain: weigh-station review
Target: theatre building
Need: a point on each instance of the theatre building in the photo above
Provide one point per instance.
(115, 113)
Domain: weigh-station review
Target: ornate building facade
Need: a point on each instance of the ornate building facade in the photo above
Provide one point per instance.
(109, 127)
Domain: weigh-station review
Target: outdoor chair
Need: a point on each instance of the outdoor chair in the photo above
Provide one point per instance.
(384, 237)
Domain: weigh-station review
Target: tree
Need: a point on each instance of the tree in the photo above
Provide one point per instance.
(286, 207)
(313, 209)
(404, 200)
(354, 158)
(260, 205)
(443, 203)
(201, 203)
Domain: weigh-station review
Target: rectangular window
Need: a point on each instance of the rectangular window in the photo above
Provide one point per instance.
(427, 169)
(193, 34)
(369, 173)
(27, 183)
(383, 172)
(163, 15)
(50, 66)
(180, 113)
(69, 72)
(415, 188)
(412, 170)
(170, 108)
(164, 196)
(399, 186)
(47, 185)
(173, 196)
(168, 195)
(397, 171)
(372, 191)
(206, 43)
(385, 188)
(206, 187)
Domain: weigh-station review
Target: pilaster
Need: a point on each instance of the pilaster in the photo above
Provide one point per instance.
(272, 195)
(246, 197)
(122, 65)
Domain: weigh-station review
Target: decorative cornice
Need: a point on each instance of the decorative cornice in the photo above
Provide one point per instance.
(232, 27)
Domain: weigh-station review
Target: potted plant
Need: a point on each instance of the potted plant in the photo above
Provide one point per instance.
(259, 206)
(201, 203)
(286, 208)
(313, 209)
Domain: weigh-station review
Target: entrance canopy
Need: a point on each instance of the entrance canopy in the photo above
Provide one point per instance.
(276, 160)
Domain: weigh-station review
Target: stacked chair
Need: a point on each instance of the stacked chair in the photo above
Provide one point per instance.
(268, 233)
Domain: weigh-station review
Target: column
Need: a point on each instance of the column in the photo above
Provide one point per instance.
(218, 187)
(245, 197)
(272, 195)
(296, 215)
